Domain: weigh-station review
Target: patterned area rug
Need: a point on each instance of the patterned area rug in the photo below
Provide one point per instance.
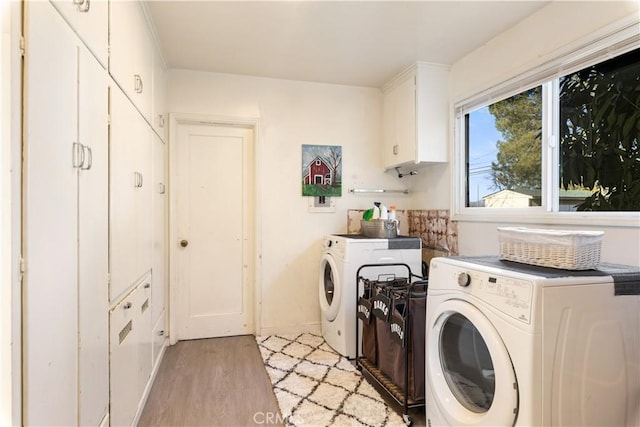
(315, 386)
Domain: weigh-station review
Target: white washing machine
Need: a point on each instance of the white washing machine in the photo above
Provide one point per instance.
(515, 345)
(342, 256)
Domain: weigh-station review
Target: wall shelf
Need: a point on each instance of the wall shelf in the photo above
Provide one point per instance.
(372, 190)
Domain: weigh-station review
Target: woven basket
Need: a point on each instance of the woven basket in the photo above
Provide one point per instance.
(569, 250)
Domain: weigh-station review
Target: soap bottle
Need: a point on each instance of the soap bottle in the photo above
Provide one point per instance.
(376, 210)
(384, 213)
(392, 213)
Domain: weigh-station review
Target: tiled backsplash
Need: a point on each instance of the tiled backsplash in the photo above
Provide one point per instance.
(436, 230)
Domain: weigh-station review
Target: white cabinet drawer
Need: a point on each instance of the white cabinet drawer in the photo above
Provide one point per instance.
(124, 362)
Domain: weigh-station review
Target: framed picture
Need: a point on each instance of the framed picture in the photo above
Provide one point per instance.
(322, 170)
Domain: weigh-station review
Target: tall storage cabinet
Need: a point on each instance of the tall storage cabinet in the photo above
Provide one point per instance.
(95, 222)
(65, 311)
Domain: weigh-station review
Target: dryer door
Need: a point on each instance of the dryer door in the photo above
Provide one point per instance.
(330, 287)
(472, 378)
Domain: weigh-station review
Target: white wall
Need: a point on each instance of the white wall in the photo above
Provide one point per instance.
(10, 155)
(291, 114)
(517, 50)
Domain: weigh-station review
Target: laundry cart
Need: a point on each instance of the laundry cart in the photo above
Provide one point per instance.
(391, 319)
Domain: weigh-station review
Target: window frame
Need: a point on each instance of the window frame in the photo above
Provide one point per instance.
(615, 40)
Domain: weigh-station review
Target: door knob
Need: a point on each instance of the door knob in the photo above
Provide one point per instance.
(184, 243)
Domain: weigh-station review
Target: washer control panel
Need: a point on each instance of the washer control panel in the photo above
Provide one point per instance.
(509, 295)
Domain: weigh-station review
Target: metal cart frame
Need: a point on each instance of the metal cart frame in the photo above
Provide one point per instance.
(370, 371)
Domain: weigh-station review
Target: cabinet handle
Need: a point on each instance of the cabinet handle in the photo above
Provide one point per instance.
(160, 333)
(161, 188)
(395, 149)
(89, 158)
(138, 86)
(137, 180)
(78, 155)
(127, 305)
(161, 120)
(85, 6)
(147, 285)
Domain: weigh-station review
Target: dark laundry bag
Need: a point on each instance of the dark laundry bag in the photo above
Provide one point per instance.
(383, 332)
(411, 341)
(365, 305)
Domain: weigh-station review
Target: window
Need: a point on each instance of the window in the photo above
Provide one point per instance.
(591, 121)
(504, 151)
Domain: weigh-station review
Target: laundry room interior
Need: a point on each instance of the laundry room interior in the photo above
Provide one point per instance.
(190, 173)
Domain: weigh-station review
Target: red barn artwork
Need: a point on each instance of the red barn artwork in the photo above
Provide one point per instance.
(318, 172)
(321, 170)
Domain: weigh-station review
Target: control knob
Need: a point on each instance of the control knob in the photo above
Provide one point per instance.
(464, 279)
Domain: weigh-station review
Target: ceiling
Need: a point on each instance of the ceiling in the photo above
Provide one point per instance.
(361, 43)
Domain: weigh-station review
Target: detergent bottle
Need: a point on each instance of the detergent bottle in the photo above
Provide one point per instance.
(384, 213)
(376, 210)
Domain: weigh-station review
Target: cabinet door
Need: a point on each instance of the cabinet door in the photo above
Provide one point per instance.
(131, 54)
(50, 220)
(90, 20)
(158, 338)
(124, 184)
(93, 207)
(144, 206)
(124, 362)
(159, 113)
(130, 195)
(159, 263)
(399, 114)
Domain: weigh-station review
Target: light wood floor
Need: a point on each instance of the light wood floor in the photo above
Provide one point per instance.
(217, 382)
(213, 382)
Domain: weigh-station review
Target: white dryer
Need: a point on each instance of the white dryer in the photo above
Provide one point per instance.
(343, 255)
(515, 345)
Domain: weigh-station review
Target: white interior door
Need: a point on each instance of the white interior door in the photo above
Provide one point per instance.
(215, 231)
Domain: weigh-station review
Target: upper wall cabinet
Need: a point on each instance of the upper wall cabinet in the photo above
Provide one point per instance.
(159, 113)
(132, 49)
(90, 20)
(415, 117)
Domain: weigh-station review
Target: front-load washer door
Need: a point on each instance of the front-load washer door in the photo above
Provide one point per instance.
(330, 287)
(472, 378)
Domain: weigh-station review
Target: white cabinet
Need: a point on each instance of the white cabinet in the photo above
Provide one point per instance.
(65, 323)
(130, 195)
(90, 20)
(130, 352)
(160, 227)
(159, 338)
(159, 110)
(415, 117)
(131, 53)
